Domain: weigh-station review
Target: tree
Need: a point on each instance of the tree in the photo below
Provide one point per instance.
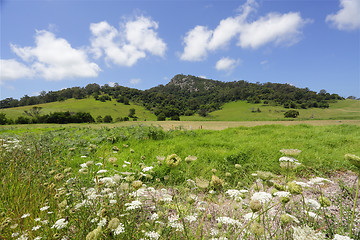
(108, 119)
(291, 114)
(161, 117)
(132, 113)
(3, 119)
(33, 112)
(99, 119)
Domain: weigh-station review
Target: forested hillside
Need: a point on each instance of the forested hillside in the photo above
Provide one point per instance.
(187, 95)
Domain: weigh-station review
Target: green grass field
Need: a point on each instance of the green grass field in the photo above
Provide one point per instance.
(233, 111)
(77, 182)
(95, 108)
(242, 111)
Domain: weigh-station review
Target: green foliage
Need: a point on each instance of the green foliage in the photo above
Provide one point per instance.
(161, 117)
(291, 114)
(107, 119)
(3, 119)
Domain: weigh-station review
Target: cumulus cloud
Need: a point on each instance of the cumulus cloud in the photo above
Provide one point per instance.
(126, 46)
(274, 27)
(227, 64)
(12, 69)
(135, 81)
(348, 17)
(53, 59)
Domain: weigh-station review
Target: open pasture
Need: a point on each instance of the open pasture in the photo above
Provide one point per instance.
(143, 182)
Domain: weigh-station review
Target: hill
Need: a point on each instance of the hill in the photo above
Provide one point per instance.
(190, 97)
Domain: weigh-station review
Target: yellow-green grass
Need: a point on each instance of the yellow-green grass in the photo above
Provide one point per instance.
(95, 108)
(243, 111)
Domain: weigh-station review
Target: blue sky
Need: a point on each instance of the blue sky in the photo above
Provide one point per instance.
(49, 45)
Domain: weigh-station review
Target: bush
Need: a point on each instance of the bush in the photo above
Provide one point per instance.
(161, 117)
(108, 119)
(3, 119)
(291, 114)
(99, 119)
(175, 118)
(23, 120)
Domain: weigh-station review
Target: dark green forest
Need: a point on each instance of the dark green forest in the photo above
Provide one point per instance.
(187, 95)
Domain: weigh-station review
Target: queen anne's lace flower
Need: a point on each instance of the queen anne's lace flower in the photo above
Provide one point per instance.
(282, 194)
(234, 194)
(263, 197)
(152, 235)
(133, 205)
(301, 233)
(341, 237)
(229, 221)
(119, 229)
(312, 203)
(60, 224)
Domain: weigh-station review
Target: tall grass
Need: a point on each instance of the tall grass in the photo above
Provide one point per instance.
(77, 183)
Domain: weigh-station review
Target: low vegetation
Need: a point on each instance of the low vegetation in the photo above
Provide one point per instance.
(142, 182)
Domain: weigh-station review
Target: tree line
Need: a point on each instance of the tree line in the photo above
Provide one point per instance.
(187, 95)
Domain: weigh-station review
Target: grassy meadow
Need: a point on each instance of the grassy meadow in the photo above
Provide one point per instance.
(143, 182)
(233, 111)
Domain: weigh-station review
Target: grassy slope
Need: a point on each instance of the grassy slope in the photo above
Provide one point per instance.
(242, 111)
(233, 111)
(95, 108)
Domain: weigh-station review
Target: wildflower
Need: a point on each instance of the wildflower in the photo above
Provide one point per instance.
(312, 203)
(173, 160)
(67, 170)
(228, 221)
(314, 215)
(287, 159)
(113, 223)
(44, 208)
(98, 164)
(202, 183)
(353, 159)
(307, 233)
(282, 194)
(160, 158)
(84, 171)
(25, 215)
(154, 217)
(257, 229)
(94, 235)
(341, 237)
(102, 222)
(152, 235)
(115, 148)
(324, 201)
(37, 219)
(237, 166)
(36, 228)
(227, 174)
(133, 205)
(112, 160)
(191, 218)
(263, 197)
(60, 224)
(136, 184)
(71, 149)
(16, 225)
(290, 152)
(166, 198)
(102, 171)
(38, 238)
(83, 156)
(216, 182)
(265, 175)
(319, 181)
(290, 165)
(302, 184)
(112, 201)
(214, 232)
(190, 159)
(287, 218)
(294, 188)
(255, 205)
(15, 234)
(146, 169)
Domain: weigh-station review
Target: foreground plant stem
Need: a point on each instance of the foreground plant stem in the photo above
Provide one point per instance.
(353, 211)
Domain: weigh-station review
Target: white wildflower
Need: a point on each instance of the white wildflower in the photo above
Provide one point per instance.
(214, 232)
(112, 201)
(263, 197)
(250, 216)
(307, 233)
(133, 205)
(59, 224)
(178, 226)
(44, 208)
(45, 222)
(282, 194)
(25, 215)
(166, 198)
(314, 215)
(191, 218)
(102, 222)
(341, 237)
(229, 221)
(15, 234)
(37, 219)
(98, 164)
(152, 235)
(127, 162)
(154, 217)
(319, 181)
(119, 229)
(38, 238)
(288, 159)
(36, 228)
(83, 156)
(102, 171)
(83, 165)
(146, 169)
(234, 194)
(302, 184)
(312, 203)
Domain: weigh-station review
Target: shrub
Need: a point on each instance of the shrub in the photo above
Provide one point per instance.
(108, 119)
(161, 117)
(291, 114)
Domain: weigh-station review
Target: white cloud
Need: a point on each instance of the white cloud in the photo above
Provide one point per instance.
(112, 84)
(196, 42)
(264, 62)
(274, 27)
(202, 76)
(126, 46)
(54, 59)
(135, 81)
(348, 17)
(12, 69)
(227, 64)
